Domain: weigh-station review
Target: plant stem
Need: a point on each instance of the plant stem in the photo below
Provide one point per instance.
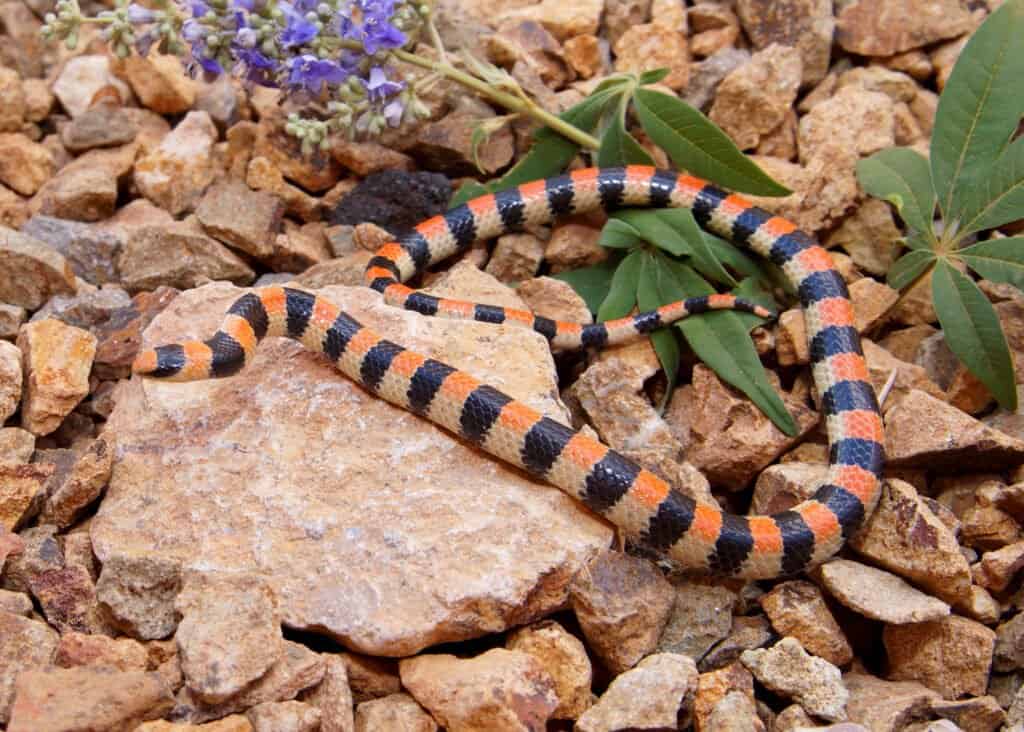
(508, 101)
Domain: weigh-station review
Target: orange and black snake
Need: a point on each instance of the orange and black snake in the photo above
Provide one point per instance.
(645, 507)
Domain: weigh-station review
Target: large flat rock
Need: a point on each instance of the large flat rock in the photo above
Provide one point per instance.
(371, 525)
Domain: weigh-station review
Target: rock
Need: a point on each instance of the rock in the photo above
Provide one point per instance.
(780, 487)
(103, 125)
(229, 634)
(16, 444)
(347, 270)
(12, 101)
(951, 655)
(298, 669)
(25, 645)
(243, 219)
(286, 716)
(232, 723)
(622, 604)
(359, 535)
(122, 654)
(178, 255)
(859, 119)
(871, 301)
(395, 200)
(886, 705)
(16, 603)
(263, 175)
(81, 78)
(333, 697)
(160, 83)
(649, 46)
(583, 54)
(980, 605)
(747, 633)
(139, 595)
(516, 257)
(92, 252)
(564, 658)
(299, 248)
(57, 359)
(87, 698)
(30, 271)
(906, 537)
(714, 686)
(731, 440)
(813, 683)
(24, 165)
(448, 145)
(10, 379)
(175, 175)
(797, 609)
(90, 474)
(67, 596)
(701, 615)
(646, 697)
(954, 439)
(753, 100)
(1009, 650)
(13, 208)
(120, 334)
(876, 28)
(86, 189)
(88, 310)
(734, 713)
(709, 73)
(315, 173)
(982, 713)
(804, 24)
(999, 567)
(572, 246)
(398, 712)
(22, 489)
(498, 690)
(909, 377)
(879, 595)
(554, 299)
(563, 19)
(364, 158)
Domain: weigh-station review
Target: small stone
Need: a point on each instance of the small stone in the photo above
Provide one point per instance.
(16, 603)
(871, 300)
(714, 686)
(951, 655)
(1009, 651)
(954, 439)
(160, 83)
(81, 78)
(622, 604)
(499, 690)
(813, 683)
(315, 173)
(87, 188)
(554, 299)
(583, 54)
(879, 595)
(886, 705)
(87, 698)
(398, 712)
(178, 255)
(573, 246)
(103, 125)
(780, 487)
(734, 713)
(563, 656)
(68, 598)
(243, 219)
(882, 28)
(516, 257)
(139, 595)
(347, 270)
(24, 645)
(394, 200)
(648, 696)
(38, 100)
(24, 165)
(797, 609)
(753, 100)
(263, 175)
(286, 716)
(709, 73)
(364, 158)
(805, 24)
(120, 334)
(12, 101)
(22, 489)
(83, 486)
(222, 100)
(909, 377)
(747, 633)
(88, 310)
(91, 251)
(229, 634)
(16, 444)
(649, 46)
(79, 649)
(14, 210)
(448, 145)
(31, 272)
(980, 605)
(792, 719)
(10, 380)
(999, 567)
(980, 714)
(175, 174)
(563, 19)
(861, 120)
(57, 359)
(333, 697)
(701, 615)
(232, 723)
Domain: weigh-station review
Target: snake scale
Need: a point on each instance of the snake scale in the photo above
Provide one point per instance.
(642, 505)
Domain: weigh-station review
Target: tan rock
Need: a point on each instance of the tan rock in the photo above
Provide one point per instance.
(24, 645)
(824, 190)
(160, 83)
(286, 716)
(951, 655)
(86, 189)
(564, 658)
(797, 609)
(540, 530)
(103, 125)
(563, 19)
(16, 445)
(701, 616)
(315, 173)
(648, 696)
(979, 713)
(572, 246)
(56, 363)
(709, 42)
(583, 54)
(747, 633)
(649, 46)
(10, 379)
(263, 175)
(812, 682)
(516, 257)
(12, 101)
(364, 158)
(886, 705)
(22, 489)
(232, 723)
(139, 595)
(299, 248)
(980, 605)
(347, 270)
(780, 487)
(81, 78)
(79, 649)
(82, 486)
(909, 377)
(1009, 651)
(998, 568)
(333, 697)
(240, 218)
(16, 603)
(879, 595)
(498, 690)
(862, 120)
(714, 686)
(447, 145)
(753, 100)
(24, 165)
(554, 299)
(13, 209)
(735, 712)
(869, 236)
(67, 596)
(876, 28)
(622, 604)
(398, 712)
(370, 677)
(175, 174)
(229, 634)
(804, 24)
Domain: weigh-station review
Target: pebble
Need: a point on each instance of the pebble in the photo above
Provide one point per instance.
(231, 723)
(516, 257)
(245, 220)
(160, 82)
(884, 27)
(398, 712)
(622, 604)
(175, 174)
(25, 644)
(333, 697)
(447, 145)
(80, 79)
(16, 603)
(87, 188)
(57, 359)
(24, 165)
(572, 246)
(285, 716)
(879, 595)
(999, 567)
(91, 251)
(498, 690)
(299, 248)
(12, 101)
(806, 25)
(714, 686)
(649, 46)
(563, 19)
(649, 696)
(371, 677)
(734, 713)
(103, 125)
(787, 669)
(798, 609)
(564, 658)
(139, 595)
(554, 299)
(79, 649)
(780, 487)
(701, 615)
(10, 379)
(854, 119)
(315, 173)
(67, 499)
(1009, 651)
(951, 655)
(886, 705)
(16, 444)
(748, 632)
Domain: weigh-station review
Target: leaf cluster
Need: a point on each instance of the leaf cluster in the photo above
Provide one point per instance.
(974, 178)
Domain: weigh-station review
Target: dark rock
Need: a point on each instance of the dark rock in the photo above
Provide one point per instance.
(395, 200)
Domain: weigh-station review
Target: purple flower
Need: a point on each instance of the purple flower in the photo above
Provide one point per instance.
(297, 31)
(369, 23)
(393, 112)
(309, 72)
(379, 87)
(138, 15)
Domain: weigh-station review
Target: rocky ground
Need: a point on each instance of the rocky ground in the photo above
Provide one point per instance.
(280, 551)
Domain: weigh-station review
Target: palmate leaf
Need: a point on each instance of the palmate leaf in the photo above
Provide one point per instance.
(909, 267)
(622, 294)
(999, 260)
(654, 290)
(998, 198)
(972, 330)
(591, 283)
(618, 147)
(901, 176)
(979, 109)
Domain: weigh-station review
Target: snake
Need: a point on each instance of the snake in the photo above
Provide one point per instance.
(646, 509)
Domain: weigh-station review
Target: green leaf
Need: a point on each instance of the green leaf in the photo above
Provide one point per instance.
(618, 147)
(998, 198)
(980, 107)
(653, 76)
(622, 295)
(901, 176)
(467, 192)
(731, 256)
(591, 283)
(973, 332)
(752, 290)
(697, 145)
(999, 260)
(909, 267)
(655, 228)
(619, 234)
(654, 290)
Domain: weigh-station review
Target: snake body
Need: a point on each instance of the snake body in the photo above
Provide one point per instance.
(641, 504)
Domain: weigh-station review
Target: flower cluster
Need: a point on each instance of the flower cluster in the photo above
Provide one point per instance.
(334, 53)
